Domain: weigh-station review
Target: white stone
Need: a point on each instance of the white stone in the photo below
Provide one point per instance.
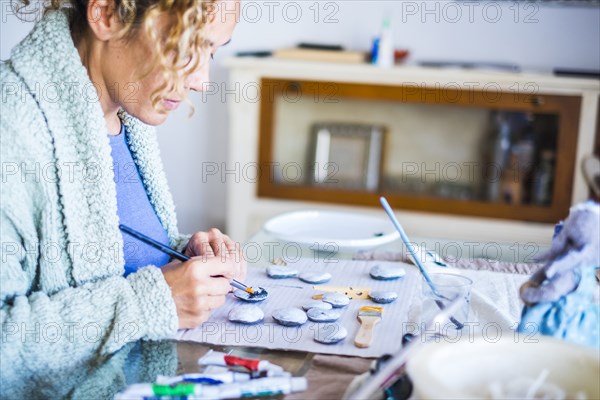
(383, 296)
(330, 333)
(246, 314)
(337, 300)
(281, 272)
(318, 315)
(387, 272)
(315, 277)
(316, 304)
(290, 316)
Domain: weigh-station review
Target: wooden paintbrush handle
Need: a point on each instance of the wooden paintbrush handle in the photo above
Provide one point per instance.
(364, 336)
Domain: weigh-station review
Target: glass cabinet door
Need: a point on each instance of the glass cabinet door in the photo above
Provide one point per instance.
(504, 155)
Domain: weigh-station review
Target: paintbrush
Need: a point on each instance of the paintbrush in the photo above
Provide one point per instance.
(368, 316)
(174, 253)
(410, 247)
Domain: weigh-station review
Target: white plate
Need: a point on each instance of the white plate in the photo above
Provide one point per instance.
(332, 231)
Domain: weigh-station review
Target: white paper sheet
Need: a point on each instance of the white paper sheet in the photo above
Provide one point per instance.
(399, 317)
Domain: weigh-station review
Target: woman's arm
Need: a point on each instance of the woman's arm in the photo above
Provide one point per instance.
(75, 324)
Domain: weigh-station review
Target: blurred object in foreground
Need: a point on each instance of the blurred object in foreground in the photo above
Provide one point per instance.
(559, 298)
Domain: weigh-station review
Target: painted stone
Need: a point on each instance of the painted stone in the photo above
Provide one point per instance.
(281, 272)
(316, 304)
(330, 333)
(337, 300)
(290, 316)
(260, 294)
(246, 314)
(387, 272)
(315, 277)
(317, 315)
(383, 296)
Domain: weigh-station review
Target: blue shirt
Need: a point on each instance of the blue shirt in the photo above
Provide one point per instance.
(134, 209)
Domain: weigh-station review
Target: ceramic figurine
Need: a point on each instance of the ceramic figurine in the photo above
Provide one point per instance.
(559, 298)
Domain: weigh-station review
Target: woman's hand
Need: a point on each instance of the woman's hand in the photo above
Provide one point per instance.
(199, 286)
(215, 243)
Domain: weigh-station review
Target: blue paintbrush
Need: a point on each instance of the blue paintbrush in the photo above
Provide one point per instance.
(390, 213)
(173, 253)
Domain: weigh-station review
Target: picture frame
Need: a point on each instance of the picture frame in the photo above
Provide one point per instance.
(346, 156)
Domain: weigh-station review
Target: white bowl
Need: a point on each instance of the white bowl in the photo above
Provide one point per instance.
(480, 369)
(332, 231)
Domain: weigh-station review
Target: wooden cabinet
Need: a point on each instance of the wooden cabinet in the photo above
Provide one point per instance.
(437, 163)
(563, 111)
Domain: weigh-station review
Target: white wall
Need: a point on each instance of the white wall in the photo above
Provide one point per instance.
(531, 35)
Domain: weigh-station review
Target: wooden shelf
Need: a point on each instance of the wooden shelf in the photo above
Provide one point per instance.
(522, 212)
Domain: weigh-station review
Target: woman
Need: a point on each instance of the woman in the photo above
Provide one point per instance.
(89, 81)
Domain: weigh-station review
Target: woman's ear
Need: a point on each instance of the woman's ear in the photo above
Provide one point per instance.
(102, 19)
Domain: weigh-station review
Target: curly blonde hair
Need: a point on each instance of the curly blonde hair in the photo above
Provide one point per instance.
(174, 50)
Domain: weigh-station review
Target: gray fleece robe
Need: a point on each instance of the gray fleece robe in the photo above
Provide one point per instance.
(63, 296)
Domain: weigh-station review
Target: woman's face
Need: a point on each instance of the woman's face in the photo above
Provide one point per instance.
(129, 58)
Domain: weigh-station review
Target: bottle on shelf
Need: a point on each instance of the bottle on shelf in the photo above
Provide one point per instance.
(499, 154)
(385, 45)
(544, 176)
(511, 182)
(525, 150)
